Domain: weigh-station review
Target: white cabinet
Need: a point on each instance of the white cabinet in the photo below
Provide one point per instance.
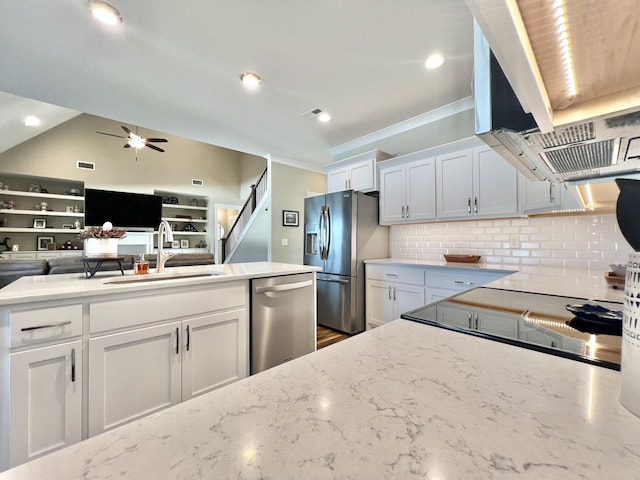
(392, 291)
(45, 370)
(545, 196)
(357, 173)
(408, 190)
(448, 281)
(475, 182)
(187, 343)
(479, 320)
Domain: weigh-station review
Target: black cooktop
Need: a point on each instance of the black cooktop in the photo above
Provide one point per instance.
(570, 327)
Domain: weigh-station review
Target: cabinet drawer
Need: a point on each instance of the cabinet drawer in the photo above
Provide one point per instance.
(396, 274)
(459, 279)
(163, 305)
(45, 324)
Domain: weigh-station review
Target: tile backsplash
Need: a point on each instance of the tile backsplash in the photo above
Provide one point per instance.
(581, 241)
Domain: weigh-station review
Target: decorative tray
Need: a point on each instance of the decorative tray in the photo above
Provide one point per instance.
(462, 258)
(614, 280)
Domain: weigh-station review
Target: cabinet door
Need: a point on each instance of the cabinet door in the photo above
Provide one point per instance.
(362, 176)
(538, 196)
(214, 351)
(407, 298)
(456, 317)
(421, 190)
(46, 400)
(455, 184)
(503, 325)
(495, 184)
(379, 302)
(133, 374)
(337, 180)
(392, 203)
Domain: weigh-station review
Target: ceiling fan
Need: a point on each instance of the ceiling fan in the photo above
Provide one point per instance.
(136, 141)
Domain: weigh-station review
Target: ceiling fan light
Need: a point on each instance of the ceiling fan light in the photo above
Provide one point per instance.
(104, 12)
(250, 80)
(136, 141)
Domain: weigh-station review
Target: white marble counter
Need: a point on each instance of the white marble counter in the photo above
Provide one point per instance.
(570, 282)
(414, 402)
(77, 285)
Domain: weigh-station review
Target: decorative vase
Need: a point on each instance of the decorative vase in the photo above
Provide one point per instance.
(101, 247)
(630, 362)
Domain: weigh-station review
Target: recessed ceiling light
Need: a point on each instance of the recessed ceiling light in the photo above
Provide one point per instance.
(104, 12)
(324, 117)
(32, 121)
(434, 60)
(250, 80)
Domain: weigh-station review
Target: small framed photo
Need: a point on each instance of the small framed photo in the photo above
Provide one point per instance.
(39, 223)
(35, 187)
(289, 218)
(175, 244)
(44, 242)
(184, 243)
(68, 226)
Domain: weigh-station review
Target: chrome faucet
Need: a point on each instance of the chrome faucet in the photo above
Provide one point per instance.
(163, 229)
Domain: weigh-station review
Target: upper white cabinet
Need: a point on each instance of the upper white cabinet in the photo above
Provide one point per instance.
(407, 190)
(545, 196)
(357, 173)
(475, 182)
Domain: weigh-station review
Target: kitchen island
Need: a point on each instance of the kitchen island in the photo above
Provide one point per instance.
(417, 402)
(80, 356)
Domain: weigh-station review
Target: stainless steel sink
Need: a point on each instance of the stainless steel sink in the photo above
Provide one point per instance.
(159, 277)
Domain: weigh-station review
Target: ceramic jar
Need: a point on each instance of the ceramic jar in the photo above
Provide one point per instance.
(630, 363)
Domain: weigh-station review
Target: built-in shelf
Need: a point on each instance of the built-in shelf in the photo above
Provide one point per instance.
(184, 207)
(41, 213)
(18, 193)
(39, 231)
(185, 220)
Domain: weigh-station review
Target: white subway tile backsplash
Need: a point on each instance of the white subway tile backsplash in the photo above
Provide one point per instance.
(585, 241)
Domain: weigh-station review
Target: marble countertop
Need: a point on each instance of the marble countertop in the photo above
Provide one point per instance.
(569, 282)
(77, 285)
(415, 402)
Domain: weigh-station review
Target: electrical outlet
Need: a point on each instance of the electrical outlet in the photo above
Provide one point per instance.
(514, 241)
(285, 242)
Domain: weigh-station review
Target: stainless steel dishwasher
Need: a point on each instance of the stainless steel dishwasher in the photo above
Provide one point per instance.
(283, 319)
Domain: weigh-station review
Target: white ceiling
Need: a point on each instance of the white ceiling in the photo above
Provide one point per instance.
(174, 67)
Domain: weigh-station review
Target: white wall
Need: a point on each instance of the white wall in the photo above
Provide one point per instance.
(584, 241)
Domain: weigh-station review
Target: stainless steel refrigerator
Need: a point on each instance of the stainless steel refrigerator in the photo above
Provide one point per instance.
(341, 230)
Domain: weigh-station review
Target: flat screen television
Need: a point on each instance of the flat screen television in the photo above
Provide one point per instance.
(123, 209)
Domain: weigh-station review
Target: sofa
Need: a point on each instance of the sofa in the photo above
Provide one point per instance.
(11, 270)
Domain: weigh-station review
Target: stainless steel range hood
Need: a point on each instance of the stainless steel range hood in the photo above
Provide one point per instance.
(600, 148)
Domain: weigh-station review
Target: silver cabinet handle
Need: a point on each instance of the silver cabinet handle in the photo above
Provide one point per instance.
(394, 294)
(393, 275)
(73, 364)
(475, 204)
(50, 325)
(389, 292)
(286, 286)
(407, 211)
(475, 321)
(188, 337)
(469, 205)
(462, 282)
(469, 318)
(552, 192)
(402, 211)
(177, 341)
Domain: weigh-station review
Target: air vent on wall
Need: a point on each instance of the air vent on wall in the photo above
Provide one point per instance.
(86, 165)
(196, 182)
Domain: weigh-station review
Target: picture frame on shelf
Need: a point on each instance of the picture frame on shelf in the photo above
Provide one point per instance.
(35, 188)
(39, 223)
(184, 243)
(175, 244)
(45, 241)
(290, 218)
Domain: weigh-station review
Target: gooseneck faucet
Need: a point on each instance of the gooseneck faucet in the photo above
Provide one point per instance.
(163, 229)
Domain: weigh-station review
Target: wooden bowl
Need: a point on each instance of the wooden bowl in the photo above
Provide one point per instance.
(462, 258)
(614, 280)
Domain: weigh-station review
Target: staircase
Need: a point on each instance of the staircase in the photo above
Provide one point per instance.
(248, 218)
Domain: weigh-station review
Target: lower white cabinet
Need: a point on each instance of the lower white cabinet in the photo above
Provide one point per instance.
(478, 319)
(46, 400)
(133, 374)
(387, 301)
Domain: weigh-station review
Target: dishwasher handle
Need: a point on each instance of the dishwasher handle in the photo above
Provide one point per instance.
(284, 287)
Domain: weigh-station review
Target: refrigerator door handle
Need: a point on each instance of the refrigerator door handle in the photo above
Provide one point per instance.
(321, 232)
(327, 232)
(330, 280)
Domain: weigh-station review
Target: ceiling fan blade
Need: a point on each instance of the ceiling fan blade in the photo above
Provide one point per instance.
(153, 147)
(156, 140)
(126, 145)
(126, 129)
(111, 134)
